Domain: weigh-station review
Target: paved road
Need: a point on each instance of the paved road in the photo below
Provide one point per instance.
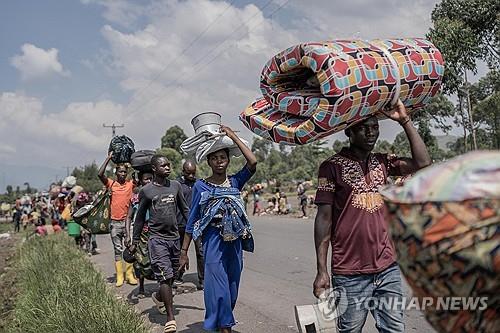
(276, 277)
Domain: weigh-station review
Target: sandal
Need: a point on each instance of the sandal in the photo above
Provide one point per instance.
(160, 306)
(170, 326)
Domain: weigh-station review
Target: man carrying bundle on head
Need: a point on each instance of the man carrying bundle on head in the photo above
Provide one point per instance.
(351, 216)
(121, 192)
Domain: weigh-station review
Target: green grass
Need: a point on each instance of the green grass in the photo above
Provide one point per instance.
(60, 291)
(6, 226)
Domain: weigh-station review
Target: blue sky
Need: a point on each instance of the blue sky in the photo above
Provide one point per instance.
(71, 27)
(66, 67)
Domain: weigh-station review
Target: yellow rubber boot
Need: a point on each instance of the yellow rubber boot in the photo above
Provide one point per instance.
(119, 273)
(129, 274)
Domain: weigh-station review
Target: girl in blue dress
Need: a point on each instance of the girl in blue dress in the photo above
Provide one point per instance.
(217, 215)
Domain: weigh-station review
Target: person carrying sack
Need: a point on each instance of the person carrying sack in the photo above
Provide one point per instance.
(121, 193)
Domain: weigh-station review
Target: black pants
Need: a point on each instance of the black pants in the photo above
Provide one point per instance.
(199, 256)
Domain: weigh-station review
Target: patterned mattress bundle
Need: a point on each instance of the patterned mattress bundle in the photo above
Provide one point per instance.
(316, 89)
(445, 224)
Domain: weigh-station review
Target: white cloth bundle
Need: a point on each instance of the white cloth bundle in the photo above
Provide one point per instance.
(207, 142)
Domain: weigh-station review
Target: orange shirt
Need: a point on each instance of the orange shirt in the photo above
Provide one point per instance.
(120, 198)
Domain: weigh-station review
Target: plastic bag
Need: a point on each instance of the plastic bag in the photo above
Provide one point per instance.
(122, 147)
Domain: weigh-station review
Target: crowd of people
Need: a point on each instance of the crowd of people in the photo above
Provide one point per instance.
(171, 214)
(50, 212)
(155, 219)
(276, 202)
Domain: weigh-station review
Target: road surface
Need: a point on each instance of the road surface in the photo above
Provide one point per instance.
(276, 277)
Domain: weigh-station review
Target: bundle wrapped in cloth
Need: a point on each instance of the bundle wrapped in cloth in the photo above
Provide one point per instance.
(208, 138)
(122, 147)
(445, 225)
(316, 89)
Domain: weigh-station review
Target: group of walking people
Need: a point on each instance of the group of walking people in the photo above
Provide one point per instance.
(171, 214)
(211, 212)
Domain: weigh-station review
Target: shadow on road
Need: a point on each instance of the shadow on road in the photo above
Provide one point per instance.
(197, 328)
(149, 289)
(111, 279)
(191, 278)
(157, 318)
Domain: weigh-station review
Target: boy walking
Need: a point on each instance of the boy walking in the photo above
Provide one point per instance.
(162, 197)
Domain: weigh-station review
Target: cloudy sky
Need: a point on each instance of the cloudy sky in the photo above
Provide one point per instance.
(67, 67)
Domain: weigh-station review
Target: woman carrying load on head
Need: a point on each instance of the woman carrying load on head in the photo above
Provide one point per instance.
(218, 216)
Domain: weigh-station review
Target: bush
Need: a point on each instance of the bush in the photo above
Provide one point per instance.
(61, 291)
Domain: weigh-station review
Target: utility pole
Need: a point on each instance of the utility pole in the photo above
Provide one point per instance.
(113, 128)
(67, 170)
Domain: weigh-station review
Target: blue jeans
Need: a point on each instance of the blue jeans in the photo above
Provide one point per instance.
(370, 292)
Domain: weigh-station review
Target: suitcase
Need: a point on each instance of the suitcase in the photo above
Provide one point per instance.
(141, 160)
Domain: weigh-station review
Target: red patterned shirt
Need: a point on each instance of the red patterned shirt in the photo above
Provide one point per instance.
(360, 239)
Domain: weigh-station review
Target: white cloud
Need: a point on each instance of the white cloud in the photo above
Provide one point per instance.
(122, 12)
(70, 136)
(36, 63)
(6, 149)
(362, 19)
(169, 84)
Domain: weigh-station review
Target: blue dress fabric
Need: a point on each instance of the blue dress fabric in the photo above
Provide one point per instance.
(223, 260)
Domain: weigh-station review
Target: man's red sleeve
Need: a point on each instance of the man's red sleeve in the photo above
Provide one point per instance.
(325, 192)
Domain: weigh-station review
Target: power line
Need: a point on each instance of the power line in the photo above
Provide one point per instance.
(183, 51)
(175, 80)
(113, 128)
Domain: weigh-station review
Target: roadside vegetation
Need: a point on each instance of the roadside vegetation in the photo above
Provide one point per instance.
(59, 290)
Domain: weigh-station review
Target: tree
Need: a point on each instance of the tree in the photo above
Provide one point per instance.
(466, 31)
(261, 148)
(383, 146)
(86, 177)
(435, 113)
(338, 145)
(28, 188)
(401, 145)
(173, 138)
(9, 190)
(485, 98)
(483, 142)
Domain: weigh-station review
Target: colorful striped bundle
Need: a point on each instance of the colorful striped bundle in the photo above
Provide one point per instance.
(316, 89)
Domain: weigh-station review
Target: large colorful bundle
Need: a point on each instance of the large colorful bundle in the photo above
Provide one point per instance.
(445, 224)
(315, 89)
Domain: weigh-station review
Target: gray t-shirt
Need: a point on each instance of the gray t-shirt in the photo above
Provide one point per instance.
(163, 202)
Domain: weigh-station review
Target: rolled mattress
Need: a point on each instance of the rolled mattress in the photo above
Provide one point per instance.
(313, 90)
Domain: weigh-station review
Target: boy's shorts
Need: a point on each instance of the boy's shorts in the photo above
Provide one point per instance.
(164, 255)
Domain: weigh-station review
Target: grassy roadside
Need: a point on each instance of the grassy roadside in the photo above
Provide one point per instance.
(8, 247)
(61, 291)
